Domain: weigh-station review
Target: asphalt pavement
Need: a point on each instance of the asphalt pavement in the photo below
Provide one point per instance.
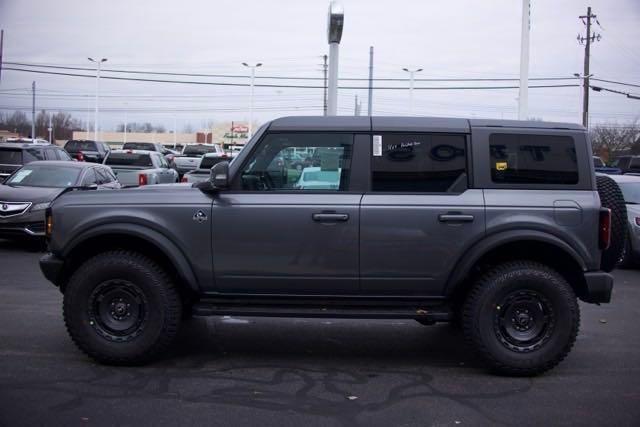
(228, 371)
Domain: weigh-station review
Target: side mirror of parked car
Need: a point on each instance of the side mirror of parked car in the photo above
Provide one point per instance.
(219, 176)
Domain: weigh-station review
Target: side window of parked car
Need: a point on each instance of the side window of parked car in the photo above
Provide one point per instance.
(50, 154)
(62, 155)
(323, 163)
(89, 177)
(532, 159)
(103, 176)
(423, 163)
(163, 161)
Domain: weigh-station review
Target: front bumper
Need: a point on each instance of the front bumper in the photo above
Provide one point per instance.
(599, 287)
(51, 266)
(29, 224)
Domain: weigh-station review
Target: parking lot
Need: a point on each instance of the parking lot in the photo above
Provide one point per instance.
(230, 371)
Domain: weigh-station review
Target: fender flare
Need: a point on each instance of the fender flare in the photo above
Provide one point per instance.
(487, 244)
(151, 236)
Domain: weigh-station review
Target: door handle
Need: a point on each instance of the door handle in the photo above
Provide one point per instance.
(455, 218)
(330, 217)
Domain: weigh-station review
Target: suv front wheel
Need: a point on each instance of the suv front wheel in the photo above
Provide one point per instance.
(522, 317)
(121, 307)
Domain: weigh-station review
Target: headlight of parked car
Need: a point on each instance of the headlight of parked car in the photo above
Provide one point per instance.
(40, 206)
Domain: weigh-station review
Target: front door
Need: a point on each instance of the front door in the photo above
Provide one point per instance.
(290, 224)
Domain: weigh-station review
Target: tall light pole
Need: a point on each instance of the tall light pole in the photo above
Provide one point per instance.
(523, 96)
(125, 122)
(95, 123)
(412, 74)
(253, 76)
(334, 35)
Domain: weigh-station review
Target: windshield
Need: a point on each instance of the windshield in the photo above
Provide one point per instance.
(199, 149)
(139, 146)
(630, 191)
(80, 146)
(129, 159)
(11, 157)
(45, 176)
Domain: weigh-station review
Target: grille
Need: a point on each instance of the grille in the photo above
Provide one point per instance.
(8, 209)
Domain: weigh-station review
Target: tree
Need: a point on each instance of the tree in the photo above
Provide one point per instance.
(16, 122)
(611, 140)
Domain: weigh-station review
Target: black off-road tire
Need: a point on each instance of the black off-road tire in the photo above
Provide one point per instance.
(627, 259)
(490, 311)
(611, 197)
(113, 290)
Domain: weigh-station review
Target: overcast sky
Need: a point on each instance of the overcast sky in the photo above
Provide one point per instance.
(448, 39)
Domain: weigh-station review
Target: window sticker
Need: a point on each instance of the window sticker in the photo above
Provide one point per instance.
(20, 175)
(501, 166)
(377, 145)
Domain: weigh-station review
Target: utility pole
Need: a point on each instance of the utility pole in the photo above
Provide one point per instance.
(50, 129)
(355, 107)
(412, 74)
(590, 38)
(98, 64)
(125, 123)
(1, 44)
(334, 35)
(33, 111)
(523, 94)
(324, 73)
(370, 100)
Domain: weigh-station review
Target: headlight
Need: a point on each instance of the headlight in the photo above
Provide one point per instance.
(40, 206)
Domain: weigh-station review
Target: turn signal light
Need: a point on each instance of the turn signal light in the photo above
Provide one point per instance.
(184, 179)
(604, 232)
(80, 156)
(48, 223)
(142, 179)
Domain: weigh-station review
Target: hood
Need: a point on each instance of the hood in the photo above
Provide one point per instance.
(28, 194)
(633, 210)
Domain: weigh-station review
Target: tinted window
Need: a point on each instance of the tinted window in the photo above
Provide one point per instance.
(62, 155)
(209, 161)
(199, 149)
(328, 169)
(50, 154)
(11, 157)
(76, 146)
(635, 163)
(33, 154)
(103, 176)
(89, 177)
(597, 162)
(425, 163)
(129, 159)
(139, 146)
(45, 176)
(533, 159)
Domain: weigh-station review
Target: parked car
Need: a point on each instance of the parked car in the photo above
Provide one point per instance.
(628, 164)
(29, 191)
(14, 155)
(203, 171)
(500, 224)
(191, 154)
(140, 167)
(151, 146)
(601, 167)
(630, 187)
(87, 151)
(21, 140)
(313, 178)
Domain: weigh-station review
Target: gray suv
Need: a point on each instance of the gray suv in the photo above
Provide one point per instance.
(495, 226)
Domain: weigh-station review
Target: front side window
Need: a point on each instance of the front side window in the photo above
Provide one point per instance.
(532, 159)
(301, 161)
(422, 163)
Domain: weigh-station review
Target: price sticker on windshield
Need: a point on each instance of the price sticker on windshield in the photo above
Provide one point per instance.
(377, 145)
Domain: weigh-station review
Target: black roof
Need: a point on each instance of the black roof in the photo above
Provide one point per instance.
(66, 163)
(405, 124)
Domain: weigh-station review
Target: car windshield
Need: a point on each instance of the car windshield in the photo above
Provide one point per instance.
(129, 159)
(139, 146)
(54, 176)
(199, 149)
(630, 191)
(80, 146)
(10, 157)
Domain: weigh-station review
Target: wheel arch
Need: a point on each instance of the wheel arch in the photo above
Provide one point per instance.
(136, 237)
(517, 244)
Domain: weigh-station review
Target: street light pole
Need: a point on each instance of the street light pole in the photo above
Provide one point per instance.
(412, 74)
(98, 64)
(253, 76)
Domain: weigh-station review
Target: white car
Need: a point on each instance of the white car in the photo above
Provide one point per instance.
(140, 167)
(38, 141)
(191, 154)
(315, 178)
(204, 168)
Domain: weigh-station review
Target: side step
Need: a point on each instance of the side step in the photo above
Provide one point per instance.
(426, 314)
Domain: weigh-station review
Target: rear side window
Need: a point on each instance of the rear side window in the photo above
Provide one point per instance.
(533, 159)
(11, 157)
(139, 146)
(76, 146)
(129, 159)
(423, 163)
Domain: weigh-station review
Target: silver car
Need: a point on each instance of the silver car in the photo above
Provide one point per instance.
(140, 167)
(201, 173)
(630, 186)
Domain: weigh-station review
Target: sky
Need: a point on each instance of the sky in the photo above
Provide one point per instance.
(447, 39)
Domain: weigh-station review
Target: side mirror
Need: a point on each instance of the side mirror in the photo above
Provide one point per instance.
(219, 176)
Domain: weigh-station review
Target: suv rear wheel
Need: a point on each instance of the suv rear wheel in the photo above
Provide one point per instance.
(522, 317)
(120, 307)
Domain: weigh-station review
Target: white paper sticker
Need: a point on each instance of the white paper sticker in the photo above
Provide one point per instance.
(377, 145)
(20, 175)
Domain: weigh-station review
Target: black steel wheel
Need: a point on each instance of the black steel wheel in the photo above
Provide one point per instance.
(117, 310)
(522, 318)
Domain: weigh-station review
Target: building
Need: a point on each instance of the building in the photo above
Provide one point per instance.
(5, 134)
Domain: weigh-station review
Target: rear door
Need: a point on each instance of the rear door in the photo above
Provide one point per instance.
(420, 213)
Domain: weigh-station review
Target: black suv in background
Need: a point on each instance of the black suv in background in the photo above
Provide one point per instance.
(14, 155)
(628, 164)
(88, 151)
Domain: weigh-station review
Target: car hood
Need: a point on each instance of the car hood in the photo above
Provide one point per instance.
(28, 194)
(633, 209)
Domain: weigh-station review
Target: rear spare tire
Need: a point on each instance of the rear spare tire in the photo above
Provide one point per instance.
(611, 197)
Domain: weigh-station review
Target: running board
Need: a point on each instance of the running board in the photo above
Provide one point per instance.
(220, 308)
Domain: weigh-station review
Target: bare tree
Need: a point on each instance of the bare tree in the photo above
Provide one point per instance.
(612, 139)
